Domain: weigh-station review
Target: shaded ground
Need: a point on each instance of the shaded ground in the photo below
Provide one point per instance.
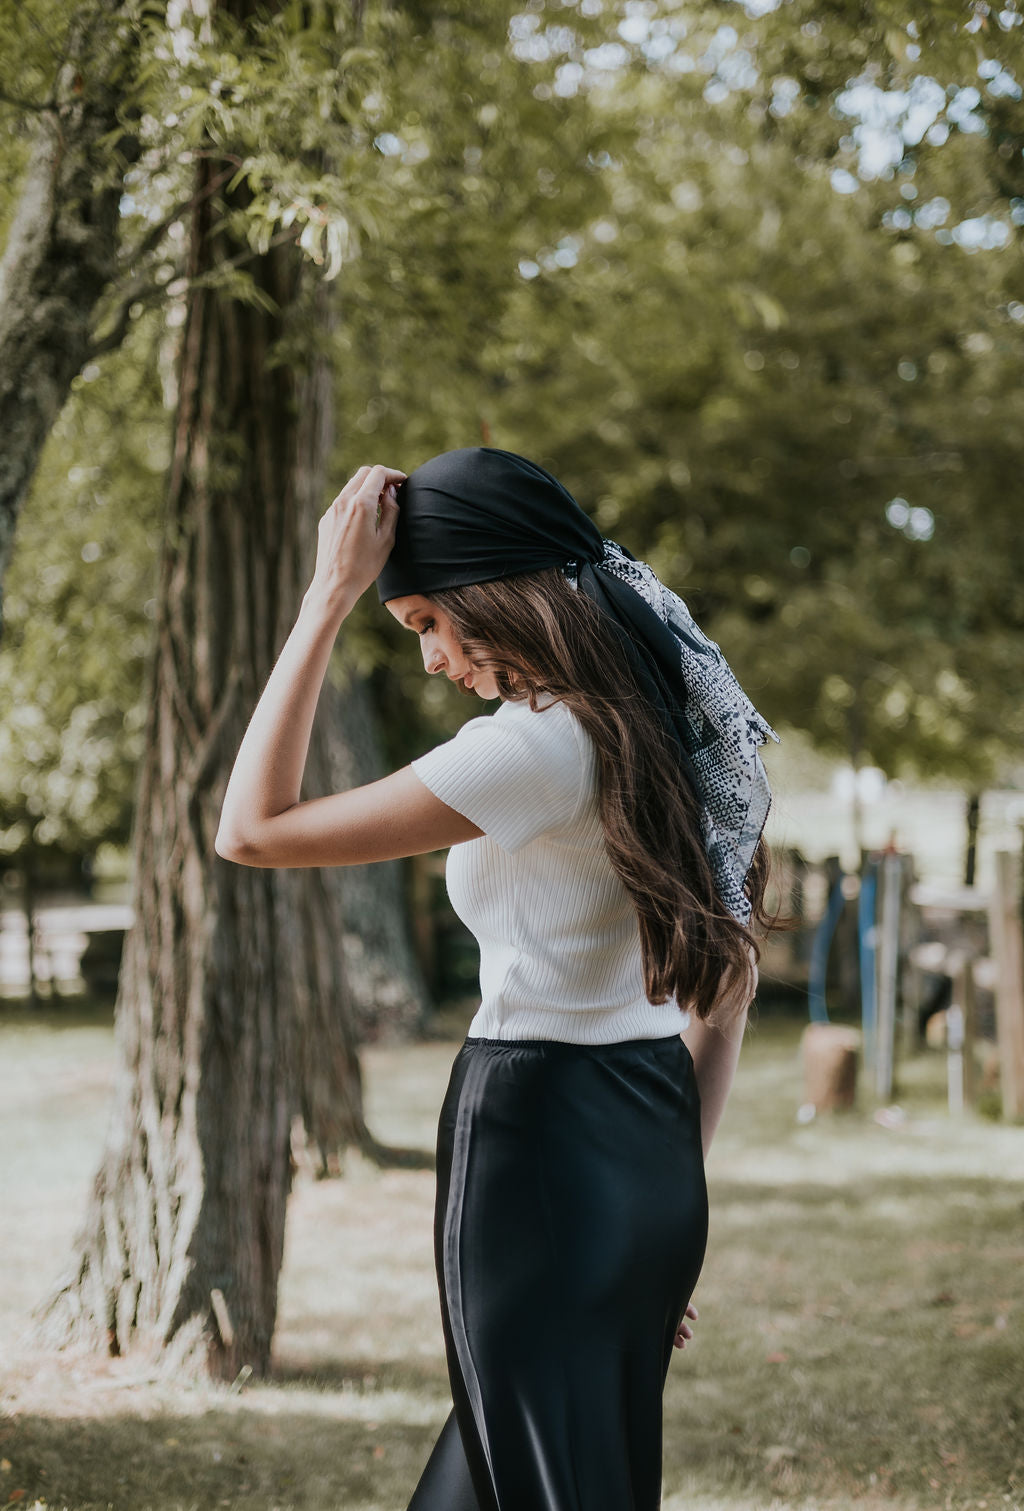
(860, 1345)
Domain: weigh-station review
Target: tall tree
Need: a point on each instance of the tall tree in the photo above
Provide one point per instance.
(97, 99)
(232, 1003)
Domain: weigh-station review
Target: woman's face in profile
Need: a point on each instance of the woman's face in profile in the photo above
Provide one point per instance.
(439, 645)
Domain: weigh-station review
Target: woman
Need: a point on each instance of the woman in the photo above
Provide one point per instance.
(605, 832)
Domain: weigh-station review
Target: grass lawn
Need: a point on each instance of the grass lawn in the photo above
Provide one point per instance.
(860, 1344)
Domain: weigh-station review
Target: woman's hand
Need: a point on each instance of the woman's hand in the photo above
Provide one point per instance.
(355, 536)
(683, 1332)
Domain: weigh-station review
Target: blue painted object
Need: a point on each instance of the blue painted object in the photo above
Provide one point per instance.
(867, 938)
(820, 946)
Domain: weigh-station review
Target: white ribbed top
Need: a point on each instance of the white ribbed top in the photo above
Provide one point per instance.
(558, 934)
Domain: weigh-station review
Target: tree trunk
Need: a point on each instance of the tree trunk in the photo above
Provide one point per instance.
(232, 1005)
(28, 905)
(61, 253)
(389, 992)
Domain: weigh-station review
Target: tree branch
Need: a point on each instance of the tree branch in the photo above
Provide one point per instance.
(149, 293)
(36, 107)
(156, 233)
(241, 258)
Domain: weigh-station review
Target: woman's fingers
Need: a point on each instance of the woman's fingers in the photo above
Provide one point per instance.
(356, 533)
(352, 487)
(368, 483)
(376, 480)
(684, 1332)
(380, 476)
(378, 491)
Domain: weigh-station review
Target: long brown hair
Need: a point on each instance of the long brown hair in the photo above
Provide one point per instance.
(541, 637)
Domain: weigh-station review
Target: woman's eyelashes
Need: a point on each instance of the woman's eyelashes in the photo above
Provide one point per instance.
(429, 625)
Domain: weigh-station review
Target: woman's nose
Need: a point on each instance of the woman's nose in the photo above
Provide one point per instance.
(433, 659)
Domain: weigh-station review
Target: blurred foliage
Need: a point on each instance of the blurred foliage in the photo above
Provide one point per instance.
(798, 401)
(746, 276)
(78, 614)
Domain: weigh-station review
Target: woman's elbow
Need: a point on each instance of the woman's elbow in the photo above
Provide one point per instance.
(237, 848)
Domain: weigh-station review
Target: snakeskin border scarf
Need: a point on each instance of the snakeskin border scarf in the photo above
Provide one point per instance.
(722, 731)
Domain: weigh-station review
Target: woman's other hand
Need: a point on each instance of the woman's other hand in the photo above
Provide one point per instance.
(684, 1332)
(355, 536)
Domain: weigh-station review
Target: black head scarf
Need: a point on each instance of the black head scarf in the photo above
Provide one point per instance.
(479, 514)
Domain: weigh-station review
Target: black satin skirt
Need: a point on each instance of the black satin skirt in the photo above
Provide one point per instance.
(570, 1229)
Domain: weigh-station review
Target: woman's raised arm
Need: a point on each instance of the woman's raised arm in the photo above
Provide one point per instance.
(262, 821)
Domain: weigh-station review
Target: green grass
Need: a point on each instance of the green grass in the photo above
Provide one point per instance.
(860, 1344)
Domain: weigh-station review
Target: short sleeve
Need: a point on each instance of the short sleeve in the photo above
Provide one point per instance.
(515, 773)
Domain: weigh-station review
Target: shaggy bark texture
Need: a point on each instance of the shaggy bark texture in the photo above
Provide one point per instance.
(233, 1011)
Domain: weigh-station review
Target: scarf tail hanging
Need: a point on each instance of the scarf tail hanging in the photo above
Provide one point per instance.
(717, 727)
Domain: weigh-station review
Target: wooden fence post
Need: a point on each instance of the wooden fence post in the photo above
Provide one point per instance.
(888, 964)
(909, 928)
(960, 1073)
(1008, 949)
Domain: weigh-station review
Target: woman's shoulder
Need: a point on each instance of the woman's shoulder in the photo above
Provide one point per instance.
(548, 739)
(550, 715)
(551, 726)
(515, 772)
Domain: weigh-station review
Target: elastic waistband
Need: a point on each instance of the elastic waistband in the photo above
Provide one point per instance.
(558, 1046)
